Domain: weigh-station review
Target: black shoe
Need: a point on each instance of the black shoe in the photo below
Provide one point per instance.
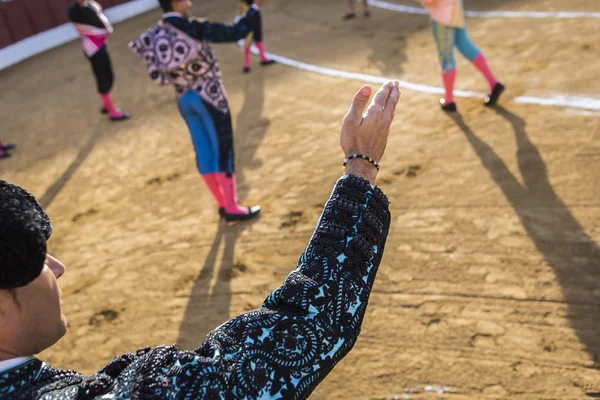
(122, 117)
(4, 154)
(349, 16)
(104, 110)
(493, 97)
(448, 107)
(267, 62)
(8, 146)
(253, 212)
(246, 70)
(221, 211)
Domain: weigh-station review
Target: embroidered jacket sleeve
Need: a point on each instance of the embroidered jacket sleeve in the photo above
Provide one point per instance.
(305, 327)
(282, 351)
(205, 30)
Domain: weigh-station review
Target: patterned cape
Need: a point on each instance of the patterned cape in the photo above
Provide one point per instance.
(174, 58)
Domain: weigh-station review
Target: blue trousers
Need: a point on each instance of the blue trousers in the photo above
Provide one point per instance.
(212, 134)
(447, 38)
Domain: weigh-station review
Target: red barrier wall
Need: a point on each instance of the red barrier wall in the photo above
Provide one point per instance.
(6, 37)
(39, 15)
(20, 19)
(58, 10)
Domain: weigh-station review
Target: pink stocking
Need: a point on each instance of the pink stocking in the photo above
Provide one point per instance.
(109, 105)
(449, 77)
(228, 185)
(246, 56)
(261, 50)
(481, 64)
(213, 184)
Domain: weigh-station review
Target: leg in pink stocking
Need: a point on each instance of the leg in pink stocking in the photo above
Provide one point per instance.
(114, 113)
(264, 60)
(233, 210)
(496, 88)
(482, 65)
(447, 102)
(7, 146)
(246, 59)
(449, 77)
(213, 184)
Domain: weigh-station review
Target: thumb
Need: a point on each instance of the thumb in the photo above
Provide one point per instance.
(359, 104)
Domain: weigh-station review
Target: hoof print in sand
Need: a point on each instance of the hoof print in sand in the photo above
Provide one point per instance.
(549, 346)
(410, 172)
(185, 282)
(88, 213)
(238, 269)
(107, 315)
(292, 219)
(162, 179)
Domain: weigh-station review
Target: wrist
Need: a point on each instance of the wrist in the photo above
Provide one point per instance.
(362, 169)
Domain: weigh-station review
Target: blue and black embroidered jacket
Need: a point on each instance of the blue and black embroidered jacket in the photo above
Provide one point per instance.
(281, 351)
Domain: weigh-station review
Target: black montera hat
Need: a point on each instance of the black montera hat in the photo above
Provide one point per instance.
(24, 230)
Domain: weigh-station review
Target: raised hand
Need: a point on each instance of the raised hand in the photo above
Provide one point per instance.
(365, 129)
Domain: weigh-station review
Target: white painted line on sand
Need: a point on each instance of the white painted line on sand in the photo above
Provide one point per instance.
(492, 14)
(585, 103)
(417, 87)
(583, 112)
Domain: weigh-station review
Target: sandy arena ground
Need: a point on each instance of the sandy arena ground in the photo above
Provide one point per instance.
(490, 285)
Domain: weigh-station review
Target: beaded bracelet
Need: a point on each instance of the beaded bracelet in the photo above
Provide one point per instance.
(354, 156)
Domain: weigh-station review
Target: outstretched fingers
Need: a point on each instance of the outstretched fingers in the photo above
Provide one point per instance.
(380, 98)
(359, 104)
(389, 110)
